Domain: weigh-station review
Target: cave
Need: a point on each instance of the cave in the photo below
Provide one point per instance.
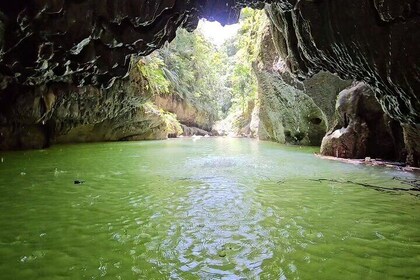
(89, 43)
(337, 83)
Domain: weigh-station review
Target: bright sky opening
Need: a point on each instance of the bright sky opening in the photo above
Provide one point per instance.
(216, 33)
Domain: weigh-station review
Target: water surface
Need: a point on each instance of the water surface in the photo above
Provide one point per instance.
(207, 209)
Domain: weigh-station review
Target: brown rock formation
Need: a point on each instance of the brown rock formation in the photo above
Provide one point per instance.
(362, 128)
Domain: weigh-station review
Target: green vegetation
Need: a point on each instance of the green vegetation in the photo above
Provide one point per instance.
(242, 53)
(151, 68)
(216, 80)
(191, 68)
(172, 124)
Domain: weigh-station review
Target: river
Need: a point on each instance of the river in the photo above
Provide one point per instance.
(215, 208)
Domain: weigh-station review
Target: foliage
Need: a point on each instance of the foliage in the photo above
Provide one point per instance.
(152, 69)
(216, 80)
(172, 124)
(196, 70)
(243, 53)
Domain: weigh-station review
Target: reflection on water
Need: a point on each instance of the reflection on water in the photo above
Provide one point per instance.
(205, 209)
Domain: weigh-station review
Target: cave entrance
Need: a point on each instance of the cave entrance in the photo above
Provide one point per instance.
(229, 81)
(204, 79)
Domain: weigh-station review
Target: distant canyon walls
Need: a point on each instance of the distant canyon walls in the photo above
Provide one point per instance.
(188, 114)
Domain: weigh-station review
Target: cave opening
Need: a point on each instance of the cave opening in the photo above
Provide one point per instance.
(206, 78)
(230, 81)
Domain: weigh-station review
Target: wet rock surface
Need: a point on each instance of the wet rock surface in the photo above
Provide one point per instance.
(412, 144)
(89, 41)
(287, 114)
(64, 113)
(371, 41)
(362, 128)
(290, 111)
(324, 88)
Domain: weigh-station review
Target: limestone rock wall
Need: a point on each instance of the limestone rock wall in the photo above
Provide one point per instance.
(287, 114)
(289, 110)
(371, 41)
(64, 113)
(187, 113)
(324, 88)
(412, 144)
(89, 42)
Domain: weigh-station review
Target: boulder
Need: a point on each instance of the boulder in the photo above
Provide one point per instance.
(362, 128)
(191, 131)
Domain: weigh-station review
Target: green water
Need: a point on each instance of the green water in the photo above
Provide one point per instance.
(206, 209)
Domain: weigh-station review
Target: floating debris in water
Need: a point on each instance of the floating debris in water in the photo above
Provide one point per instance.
(78, 182)
(414, 183)
(408, 181)
(222, 254)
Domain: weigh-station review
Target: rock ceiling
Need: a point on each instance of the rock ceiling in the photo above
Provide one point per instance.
(91, 41)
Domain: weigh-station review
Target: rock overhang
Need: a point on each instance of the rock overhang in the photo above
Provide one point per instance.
(90, 42)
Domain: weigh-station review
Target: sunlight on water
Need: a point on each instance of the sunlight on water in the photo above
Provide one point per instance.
(207, 209)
